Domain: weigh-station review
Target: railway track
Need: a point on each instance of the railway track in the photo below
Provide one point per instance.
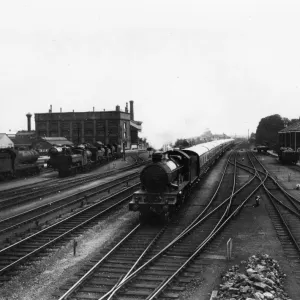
(27, 188)
(30, 221)
(49, 188)
(156, 262)
(167, 258)
(12, 256)
(284, 212)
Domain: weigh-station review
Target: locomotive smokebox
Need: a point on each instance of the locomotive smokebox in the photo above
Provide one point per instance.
(157, 176)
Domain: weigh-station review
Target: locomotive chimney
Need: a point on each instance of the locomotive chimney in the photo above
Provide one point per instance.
(131, 110)
(29, 115)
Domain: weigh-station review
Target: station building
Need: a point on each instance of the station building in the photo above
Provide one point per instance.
(290, 136)
(108, 127)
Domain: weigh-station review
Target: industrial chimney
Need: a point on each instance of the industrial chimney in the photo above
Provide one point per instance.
(118, 108)
(50, 110)
(29, 115)
(131, 110)
(126, 108)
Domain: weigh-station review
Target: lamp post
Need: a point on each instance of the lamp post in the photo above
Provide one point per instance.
(124, 143)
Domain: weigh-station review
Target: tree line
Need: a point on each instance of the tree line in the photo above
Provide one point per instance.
(268, 128)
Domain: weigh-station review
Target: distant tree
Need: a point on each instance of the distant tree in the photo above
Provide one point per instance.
(252, 137)
(267, 130)
(294, 121)
(286, 122)
(181, 143)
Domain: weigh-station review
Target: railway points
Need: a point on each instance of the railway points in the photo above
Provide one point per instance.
(230, 215)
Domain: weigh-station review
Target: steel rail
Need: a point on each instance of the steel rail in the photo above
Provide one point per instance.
(200, 247)
(5, 203)
(281, 189)
(87, 194)
(184, 233)
(121, 281)
(2, 251)
(291, 198)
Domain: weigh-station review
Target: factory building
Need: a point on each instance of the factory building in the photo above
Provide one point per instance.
(290, 136)
(108, 127)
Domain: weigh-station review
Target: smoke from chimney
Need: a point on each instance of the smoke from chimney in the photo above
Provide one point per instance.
(29, 115)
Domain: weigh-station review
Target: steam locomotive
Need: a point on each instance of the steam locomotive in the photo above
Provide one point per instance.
(69, 160)
(16, 163)
(167, 181)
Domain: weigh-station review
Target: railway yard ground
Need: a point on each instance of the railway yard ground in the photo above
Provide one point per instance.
(252, 232)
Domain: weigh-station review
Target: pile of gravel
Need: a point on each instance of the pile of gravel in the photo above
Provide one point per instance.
(262, 280)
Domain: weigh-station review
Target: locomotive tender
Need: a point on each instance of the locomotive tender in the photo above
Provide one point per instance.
(15, 163)
(167, 181)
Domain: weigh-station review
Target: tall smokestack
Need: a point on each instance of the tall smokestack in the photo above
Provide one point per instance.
(126, 108)
(29, 115)
(131, 110)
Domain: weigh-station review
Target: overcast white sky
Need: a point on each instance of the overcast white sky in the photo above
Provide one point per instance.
(188, 65)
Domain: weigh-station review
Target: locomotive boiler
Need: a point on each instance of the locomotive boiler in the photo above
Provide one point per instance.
(15, 163)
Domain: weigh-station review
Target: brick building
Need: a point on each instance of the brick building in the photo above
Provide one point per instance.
(108, 127)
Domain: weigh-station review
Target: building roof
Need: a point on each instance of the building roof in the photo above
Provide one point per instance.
(56, 140)
(5, 141)
(22, 140)
(136, 124)
(292, 128)
(25, 132)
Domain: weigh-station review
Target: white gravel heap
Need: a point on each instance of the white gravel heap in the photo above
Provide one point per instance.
(262, 280)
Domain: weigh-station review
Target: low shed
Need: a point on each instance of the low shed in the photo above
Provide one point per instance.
(290, 136)
(43, 144)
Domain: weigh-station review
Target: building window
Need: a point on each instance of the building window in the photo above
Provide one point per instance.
(125, 131)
